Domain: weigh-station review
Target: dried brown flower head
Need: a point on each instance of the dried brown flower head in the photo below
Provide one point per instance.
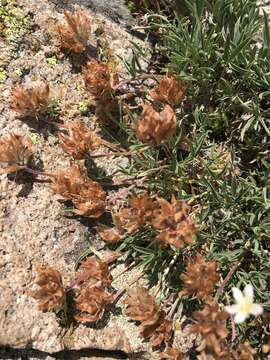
(143, 206)
(110, 235)
(15, 153)
(200, 277)
(32, 101)
(154, 127)
(244, 352)
(161, 334)
(86, 194)
(142, 307)
(175, 225)
(91, 302)
(212, 327)
(79, 140)
(169, 91)
(51, 292)
(100, 79)
(75, 31)
(172, 354)
(95, 269)
(135, 216)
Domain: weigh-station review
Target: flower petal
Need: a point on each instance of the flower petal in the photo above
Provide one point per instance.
(249, 293)
(240, 317)
(256, 309)
(237, 294)
(232, 309)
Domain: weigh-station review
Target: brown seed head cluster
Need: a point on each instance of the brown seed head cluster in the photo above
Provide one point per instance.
(170, 219)
(212, 327)
(15, 153)
(75, 31)
(200, 278)
(91, 296)
(172, 354)
(155, 128)
(100, 79)
(175, 226)
(169, 91)
(244, 352)
(142, 307)
(51, 292)
(93, 268)
(32, 101)
(78, 140)
(129, 219)
(86, 194)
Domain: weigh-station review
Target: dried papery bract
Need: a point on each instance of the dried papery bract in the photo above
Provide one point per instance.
(86, 194)
(155, 128)
(78, 140)
(142, 307)
(110, 235)
(51, 292)
(100, 79)
(31, 101)
(200, 278)
(169, 91)
(91, 302)
(211, 324)
(244, 352)
(175, 225)
(172, 354)
(130, 219)
(75, 31)
(15, 153)
(137, 215)
(94, 268)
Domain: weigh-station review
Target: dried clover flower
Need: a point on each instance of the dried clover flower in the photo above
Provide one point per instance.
(95, 269)
(110, 235)
(176, 227)
(137, 215)
(100, 79)
(79, 140)
(51, 292)
(169, 91)
(86, 194)
(143, 206)
(31, 101)
(162, 333)
(200, 277)
(154, 127)
(15, 153)
(75, 32)
(244, 352)
(211, 325)
(172, 354)
(141, 306)
(91, 302)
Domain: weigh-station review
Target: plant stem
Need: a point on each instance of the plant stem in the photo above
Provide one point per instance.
(36, 172)
(225, 281)
(174, 308)
(138, 78)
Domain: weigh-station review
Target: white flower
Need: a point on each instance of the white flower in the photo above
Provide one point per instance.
(244, 305)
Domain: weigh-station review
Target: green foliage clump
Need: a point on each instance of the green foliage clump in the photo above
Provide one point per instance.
(13, 21)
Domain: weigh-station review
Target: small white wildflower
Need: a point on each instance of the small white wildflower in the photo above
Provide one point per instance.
(244, 305)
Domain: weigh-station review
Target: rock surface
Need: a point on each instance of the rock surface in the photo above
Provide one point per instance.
(34, 226)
